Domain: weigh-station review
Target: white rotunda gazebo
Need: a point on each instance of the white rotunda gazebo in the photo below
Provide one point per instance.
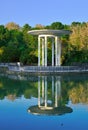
(43, 36)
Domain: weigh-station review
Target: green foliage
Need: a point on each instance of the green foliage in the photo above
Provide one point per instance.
(27, 57)
(57, 25)
(75, 23)
(26, 28)
(4, 36)
(13, 88)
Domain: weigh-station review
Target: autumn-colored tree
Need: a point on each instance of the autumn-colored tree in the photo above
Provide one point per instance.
(39, 26)
(12, 26)
(79, 36)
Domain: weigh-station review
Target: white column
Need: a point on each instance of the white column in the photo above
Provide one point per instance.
(59, 87)
(52, 52)
(53, 99)
(52, 86)
(56, 94)
(45, 91)
(59, 53)
(42, 51)
(59, 90)
(38, 51)
(42, 89)
(45, 50)
(56, 44)
(39, 102)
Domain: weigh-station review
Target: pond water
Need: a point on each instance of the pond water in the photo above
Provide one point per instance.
(44, 102)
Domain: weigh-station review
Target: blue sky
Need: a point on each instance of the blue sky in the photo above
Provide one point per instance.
(43, 12)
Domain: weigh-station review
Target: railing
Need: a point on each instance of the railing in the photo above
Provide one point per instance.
(54, 69)
(41, 69)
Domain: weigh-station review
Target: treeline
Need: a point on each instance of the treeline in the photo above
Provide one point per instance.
(17, 45)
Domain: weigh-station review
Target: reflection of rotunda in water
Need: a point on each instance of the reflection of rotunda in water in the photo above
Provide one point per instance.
(49, 97)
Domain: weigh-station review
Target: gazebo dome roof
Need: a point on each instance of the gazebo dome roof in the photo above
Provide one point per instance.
(49, 32)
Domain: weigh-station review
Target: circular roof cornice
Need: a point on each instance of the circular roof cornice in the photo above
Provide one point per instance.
(49, 32)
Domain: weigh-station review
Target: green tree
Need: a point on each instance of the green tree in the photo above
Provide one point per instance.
(26, 28)
(4, 36)
(57, 25)
(29, 54)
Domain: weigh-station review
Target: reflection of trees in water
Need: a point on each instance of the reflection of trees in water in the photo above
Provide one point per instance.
(11, 87)
(11, 97)
(79, 94)
(76, 90)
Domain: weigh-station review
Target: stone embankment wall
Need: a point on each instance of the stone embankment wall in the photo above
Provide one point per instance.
(17, 67)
